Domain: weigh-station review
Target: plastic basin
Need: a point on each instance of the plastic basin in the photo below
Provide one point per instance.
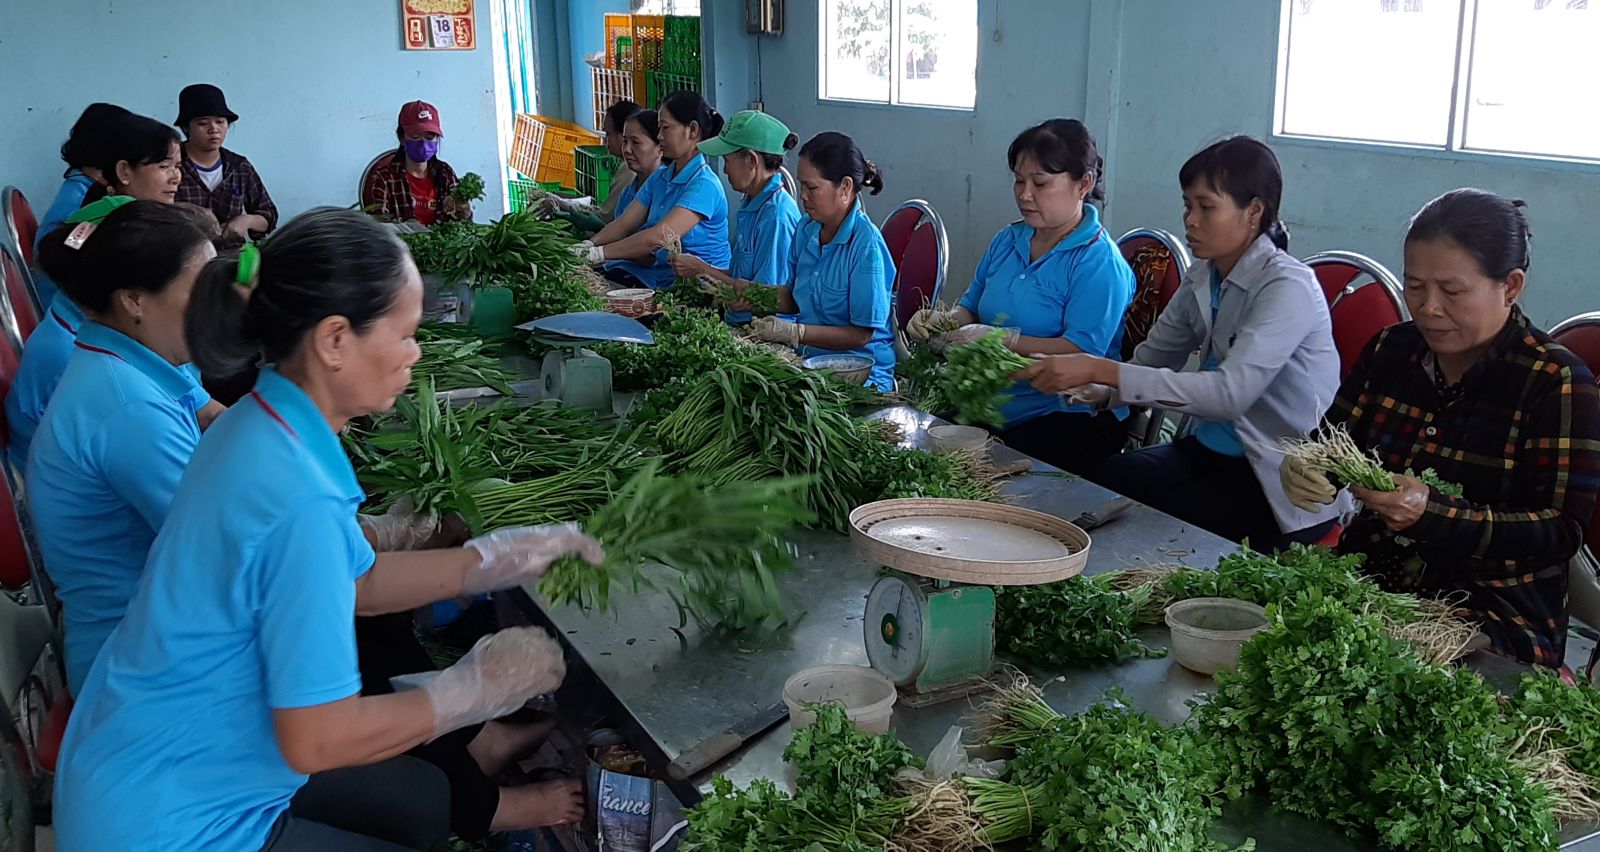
(867, 697)
(633, 302)
(1207, 633)
(855, 369)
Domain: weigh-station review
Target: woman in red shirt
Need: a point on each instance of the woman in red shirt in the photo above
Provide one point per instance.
(413, 184)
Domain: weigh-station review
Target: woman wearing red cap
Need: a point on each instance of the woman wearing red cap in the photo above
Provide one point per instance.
(413, 184)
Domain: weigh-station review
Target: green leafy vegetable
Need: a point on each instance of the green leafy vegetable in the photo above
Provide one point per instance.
(450, 363)
(468, 189)
(1075, 621)
(1265, 580)
(976, 376)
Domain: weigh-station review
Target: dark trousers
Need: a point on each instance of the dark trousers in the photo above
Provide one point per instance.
(397, 804)
(387, 647)
(1215, 492)
(1074, 441)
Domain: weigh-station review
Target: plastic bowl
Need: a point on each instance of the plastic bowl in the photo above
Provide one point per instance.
(867, 697)
(855, 369)
(1207, 633)
(954, 439)
(634, 302)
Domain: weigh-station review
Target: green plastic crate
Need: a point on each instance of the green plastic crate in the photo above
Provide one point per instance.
(661, 83)
(524, 194)
(681, 48)
(595, 167)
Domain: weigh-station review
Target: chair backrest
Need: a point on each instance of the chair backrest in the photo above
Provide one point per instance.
(1159, 261)
(1358, 316)
(920, 276)
(361, 186)
(20, 221)
(789, 184)
(1343, 272)
(900, 224)
(23, 312)
(1581, 334)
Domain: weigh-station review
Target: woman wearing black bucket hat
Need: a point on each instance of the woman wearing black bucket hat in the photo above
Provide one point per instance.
(214, 177)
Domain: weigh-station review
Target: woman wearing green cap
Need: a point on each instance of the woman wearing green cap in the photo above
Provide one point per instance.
(752, 147)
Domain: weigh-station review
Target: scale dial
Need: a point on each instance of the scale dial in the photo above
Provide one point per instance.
(896, 628)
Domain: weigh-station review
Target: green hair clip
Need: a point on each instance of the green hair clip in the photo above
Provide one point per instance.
(249, 266)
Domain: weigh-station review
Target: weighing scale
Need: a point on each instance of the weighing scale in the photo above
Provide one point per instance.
(574, 375)
(929, 625)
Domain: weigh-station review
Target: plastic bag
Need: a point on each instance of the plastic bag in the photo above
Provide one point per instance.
(949, 759)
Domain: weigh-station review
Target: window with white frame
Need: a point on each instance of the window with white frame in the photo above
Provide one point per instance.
(904, 52)
(1500, 76)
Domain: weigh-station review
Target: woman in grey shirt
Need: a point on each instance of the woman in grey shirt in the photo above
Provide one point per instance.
(1268, 364)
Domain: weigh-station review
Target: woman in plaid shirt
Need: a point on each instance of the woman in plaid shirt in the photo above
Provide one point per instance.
(1471, 389)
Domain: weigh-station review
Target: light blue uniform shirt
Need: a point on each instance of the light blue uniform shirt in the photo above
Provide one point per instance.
(698, 189)
(44, 358)
(763, 240)
(105, 463)
(629, 192)
(247, 605)
(1078, 290)
(1218, 436)
(67, 201)
(847, 283)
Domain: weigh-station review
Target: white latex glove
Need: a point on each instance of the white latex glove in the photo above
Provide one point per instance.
(972, 332)
(921, 325)
(514, 556)
(400, 528)
(499, 675)
(775, 330)
(588, 251)
(1096, 395)
(1307, 489)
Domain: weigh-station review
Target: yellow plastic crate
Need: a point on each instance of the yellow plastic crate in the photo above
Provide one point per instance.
(543, 147)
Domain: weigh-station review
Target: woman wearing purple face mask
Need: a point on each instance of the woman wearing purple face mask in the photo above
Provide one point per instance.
(414, 185)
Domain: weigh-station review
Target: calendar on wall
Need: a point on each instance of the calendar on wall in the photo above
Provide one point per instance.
(439, 24)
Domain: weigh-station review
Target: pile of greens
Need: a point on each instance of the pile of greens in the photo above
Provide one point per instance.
(450, 361)
(519, 252)
(844, 801)
(726, 543)
(688, 342)
(976, 376)
(1076, 621)
(1571, 713)
(433, 249)
(1264, 580)
(1332, 718)
(1108, 779)
(922, 377)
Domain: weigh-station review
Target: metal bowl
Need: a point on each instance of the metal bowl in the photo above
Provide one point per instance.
(855, 369)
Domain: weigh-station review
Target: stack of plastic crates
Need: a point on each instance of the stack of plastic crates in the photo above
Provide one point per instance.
(610, 85)
(543, 148)
(661, 83)
(649, 43)
(595, 167)
(682, 49)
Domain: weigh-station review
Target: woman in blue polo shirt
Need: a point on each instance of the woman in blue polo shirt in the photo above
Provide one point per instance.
(121, 424)
(681, 205)
(752, 148)
(45, 356)
(840, 274)
(224, 711)
(1055, 283)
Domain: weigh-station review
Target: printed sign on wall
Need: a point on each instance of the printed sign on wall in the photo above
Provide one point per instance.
(439, 24)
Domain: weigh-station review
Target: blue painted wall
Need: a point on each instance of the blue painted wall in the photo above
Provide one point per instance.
(1155, 80)
(317, 85)
(585, 27)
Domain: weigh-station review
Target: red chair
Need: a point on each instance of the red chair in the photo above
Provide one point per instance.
(20, 222)
(1358, 317)
(23, 313)
(1581, 334)
(1343, 272)
(378, 162)
(1159, 261)
(900, 225)
(921, 274)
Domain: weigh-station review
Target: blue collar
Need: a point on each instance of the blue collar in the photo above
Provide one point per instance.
(66, 313)
(105, 340)
(688, 172)
(765, 195)
(847, 228)
(292, 409)
(1085, 233)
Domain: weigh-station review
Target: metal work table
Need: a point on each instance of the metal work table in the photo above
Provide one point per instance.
(679, 686)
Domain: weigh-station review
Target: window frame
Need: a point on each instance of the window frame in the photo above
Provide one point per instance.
(896, 28)
(1454, 148)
